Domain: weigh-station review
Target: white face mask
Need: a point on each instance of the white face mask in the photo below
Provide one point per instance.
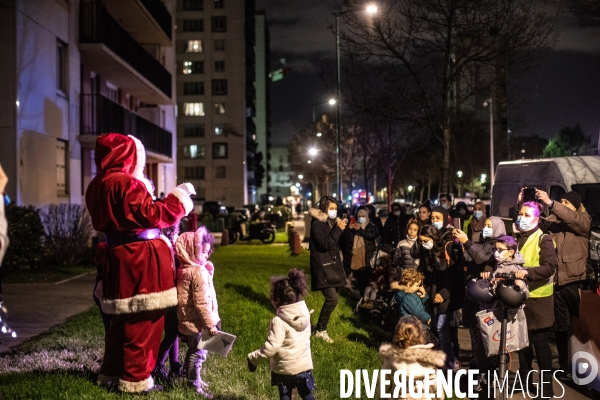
(487, 232)
(438, 225)
(332, 214)
(427, 245)
(525, 224)
(446, 206)
(499, 257)
(362, 220)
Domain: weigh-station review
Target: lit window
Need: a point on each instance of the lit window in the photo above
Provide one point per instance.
(221, 172)
(218, 130)
(220, 150)
(193, 151)
(193, 67)
(193, 109)
(194, 46)
(219, 108)
(219, 44)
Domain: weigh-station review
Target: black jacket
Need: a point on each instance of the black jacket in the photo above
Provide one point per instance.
(394, 230)
(326, 268)
(442, 277)
(347, 243)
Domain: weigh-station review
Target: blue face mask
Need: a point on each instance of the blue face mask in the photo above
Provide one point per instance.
(362, 220)
(524, 224)
(487, 232)
(438, 225)
(477, 214)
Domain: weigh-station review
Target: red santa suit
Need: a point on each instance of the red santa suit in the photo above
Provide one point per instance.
(138, 281)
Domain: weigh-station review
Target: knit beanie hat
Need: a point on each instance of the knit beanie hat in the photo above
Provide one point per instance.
(574, 198)
(443, 211)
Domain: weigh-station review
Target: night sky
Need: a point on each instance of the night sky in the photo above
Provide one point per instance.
(563, 91)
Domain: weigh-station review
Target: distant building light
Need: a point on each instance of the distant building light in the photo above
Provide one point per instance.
(300, 176)
(319, 134)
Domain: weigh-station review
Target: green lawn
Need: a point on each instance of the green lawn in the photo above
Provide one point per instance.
(63, 363)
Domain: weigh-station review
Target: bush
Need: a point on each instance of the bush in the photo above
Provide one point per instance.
(68, 229)
(280, 215)
(25, 232)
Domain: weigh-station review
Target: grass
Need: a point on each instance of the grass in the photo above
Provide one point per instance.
(63, 362)
(46, 275)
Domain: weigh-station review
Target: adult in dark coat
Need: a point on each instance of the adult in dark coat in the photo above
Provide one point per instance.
(394, 229)
(326, 270)
(570, 226)
(441, 261)
(358, 246)
(477, 257)
(375, 219)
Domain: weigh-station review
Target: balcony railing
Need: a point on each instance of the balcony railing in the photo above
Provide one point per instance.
(96, 25)
(160, 14)
(100, 115)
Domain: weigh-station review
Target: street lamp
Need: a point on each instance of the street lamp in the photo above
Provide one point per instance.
(489, 103)
(371, 10)
(459, 174)
(312, 151)
(331, 102)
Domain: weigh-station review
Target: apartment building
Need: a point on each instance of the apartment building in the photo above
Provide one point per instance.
(73, 70)
(216, 95)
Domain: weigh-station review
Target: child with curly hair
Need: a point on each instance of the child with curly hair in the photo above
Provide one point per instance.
(288, 342)
(408, 352)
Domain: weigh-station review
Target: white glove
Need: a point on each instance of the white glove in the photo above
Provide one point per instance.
(188, 188)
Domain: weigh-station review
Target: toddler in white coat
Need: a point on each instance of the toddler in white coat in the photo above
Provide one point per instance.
(288, 342)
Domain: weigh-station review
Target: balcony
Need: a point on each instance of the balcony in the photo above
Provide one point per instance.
(148, 20)
(108, 49)
(100, 115)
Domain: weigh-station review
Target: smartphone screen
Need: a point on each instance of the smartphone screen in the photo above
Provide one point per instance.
(353, 219)
(529, 194)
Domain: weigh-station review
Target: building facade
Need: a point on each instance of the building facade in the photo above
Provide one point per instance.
(280, 176)
(262, 117)
(73, 70)
(216, 70)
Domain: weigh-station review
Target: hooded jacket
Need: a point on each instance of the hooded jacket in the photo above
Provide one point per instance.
(508, 266)
(394, 229)
(326, 268)
(415, 360)
(402, 257)
(369, 233)
(197, 306)
(571, 232)
(138, 275)
(288, 342)
(412, 304)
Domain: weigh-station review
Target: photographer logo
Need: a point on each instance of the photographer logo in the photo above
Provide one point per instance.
(584, 368)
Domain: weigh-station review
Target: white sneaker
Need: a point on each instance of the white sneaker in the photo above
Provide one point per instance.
(323, 335)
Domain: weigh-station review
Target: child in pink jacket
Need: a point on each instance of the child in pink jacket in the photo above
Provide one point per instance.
(197, 307)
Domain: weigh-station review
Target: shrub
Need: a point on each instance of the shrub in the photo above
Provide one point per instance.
(68, 229)
(25, 232)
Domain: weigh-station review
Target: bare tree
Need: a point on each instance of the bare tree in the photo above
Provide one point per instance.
(441, 56)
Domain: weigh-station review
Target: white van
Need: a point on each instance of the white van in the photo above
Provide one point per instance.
(555, 176)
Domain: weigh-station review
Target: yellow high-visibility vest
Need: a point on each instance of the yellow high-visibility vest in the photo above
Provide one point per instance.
(531, 253)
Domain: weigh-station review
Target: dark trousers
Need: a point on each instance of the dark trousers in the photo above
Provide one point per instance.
(331, 300)
(566, 305)
(363, 276)
(303, 382)
(538, 340)
(170, 343)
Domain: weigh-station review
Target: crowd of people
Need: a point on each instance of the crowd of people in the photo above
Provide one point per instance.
(437, 251)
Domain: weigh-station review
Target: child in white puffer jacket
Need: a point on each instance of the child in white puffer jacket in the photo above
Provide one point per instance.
(288, 342)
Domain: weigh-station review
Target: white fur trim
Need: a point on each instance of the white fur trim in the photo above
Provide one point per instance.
(136, 387)
(140, 151)
(184, 199)
(104, 380)
(141, 302)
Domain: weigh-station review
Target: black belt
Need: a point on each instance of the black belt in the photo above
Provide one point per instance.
(117, 239)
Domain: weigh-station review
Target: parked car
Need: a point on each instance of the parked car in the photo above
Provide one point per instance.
(215, 208)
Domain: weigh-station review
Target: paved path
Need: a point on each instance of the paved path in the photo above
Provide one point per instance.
(35, 307)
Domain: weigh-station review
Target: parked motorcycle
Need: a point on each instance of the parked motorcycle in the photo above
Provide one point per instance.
(263, 230)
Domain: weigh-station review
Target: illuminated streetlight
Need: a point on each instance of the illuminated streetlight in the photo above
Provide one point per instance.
(483, 178)
(312, 151)
(319, 134)
(297, 185)
(371, 9)
(300, 176)
(459, 174)
(310, 162)
(332, 102)
(410, 188)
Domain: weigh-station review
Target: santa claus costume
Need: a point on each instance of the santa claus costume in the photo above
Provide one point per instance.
(138, 275)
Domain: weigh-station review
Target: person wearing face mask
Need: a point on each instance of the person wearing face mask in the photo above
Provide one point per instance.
(445, 201)
(475, 224)
(439, 219)
(570, 226)
(326, 270)
(402, 257)
(424, 214)
(478, 255)
(541, 264)
(358, 246)
(462, 212)
(441, 261)
(395, 225)
(375, 220)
